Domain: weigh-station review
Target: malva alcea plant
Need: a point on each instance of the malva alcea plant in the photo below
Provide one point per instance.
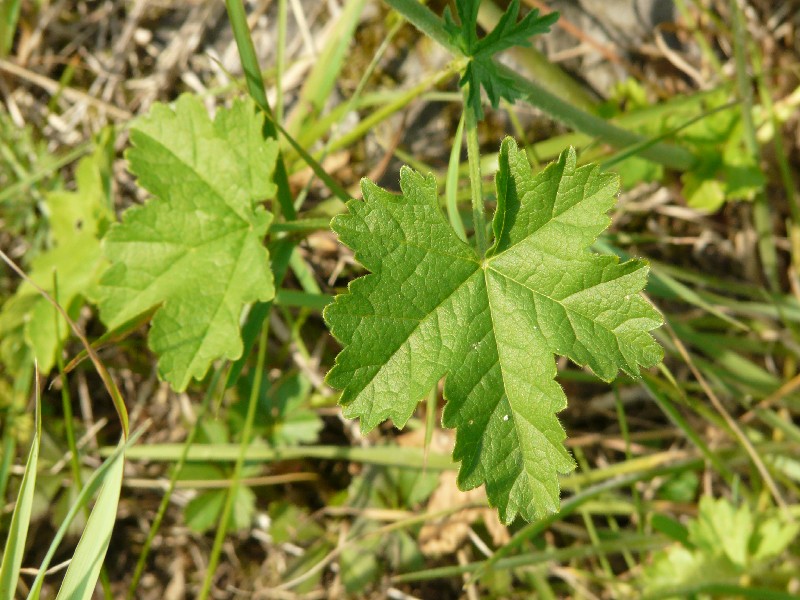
(487, 316)
(489, 320)
(433, 307)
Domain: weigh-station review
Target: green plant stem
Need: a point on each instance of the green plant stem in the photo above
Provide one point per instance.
(451, 187)
(761, 210)
(280, 59)
(386, 110)
(586, 516)
(66, 400)
(69, 429)
(623, 428)
(670, 156)
(555, 555)
(247, 431)
(7, 458)
(392, 456)
(475, 182)
(176, 472)
(280, 252)
(255, 85)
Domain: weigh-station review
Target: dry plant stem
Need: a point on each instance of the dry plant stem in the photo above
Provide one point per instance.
(783, 391)
(743, 439)
(51, 571)
(53, 87)
(402, 524)
(105, 376)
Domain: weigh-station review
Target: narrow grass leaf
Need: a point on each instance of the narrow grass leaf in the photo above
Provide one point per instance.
(20, 520)
(81, 577)
(99, 477)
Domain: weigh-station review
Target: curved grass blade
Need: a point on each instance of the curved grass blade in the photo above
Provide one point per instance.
(100, 476)
(81, 577)
(18, 531)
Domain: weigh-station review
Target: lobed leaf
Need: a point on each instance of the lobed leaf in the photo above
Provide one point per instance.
(433, 308)
(195, 249)
(481, 71)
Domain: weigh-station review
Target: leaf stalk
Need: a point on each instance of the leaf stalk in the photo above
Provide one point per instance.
(475, 181)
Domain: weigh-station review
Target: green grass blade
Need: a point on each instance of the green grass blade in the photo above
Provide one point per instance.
(20, 520)
(762, 211)
(323, 76)
(393, 456)
(9, 14)
(255, 86)
(81, 576)
(451, 185)
(99, 477)
(319, 171)
(225, 515)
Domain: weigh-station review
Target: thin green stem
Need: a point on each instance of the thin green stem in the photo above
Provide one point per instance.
(176, 472)
(280, 59)
(9, 450)
(761, 210)
(255, 85)
(670, 156)
(623, 427)
(451, 185)
(594, 538)
(233, 490)
(386, 110)
(475, 182)
(66, 400)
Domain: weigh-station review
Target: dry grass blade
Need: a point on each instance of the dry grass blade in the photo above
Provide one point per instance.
(731, 422)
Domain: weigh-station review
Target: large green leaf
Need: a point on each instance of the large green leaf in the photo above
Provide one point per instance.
(196, 248)
(434, 308)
